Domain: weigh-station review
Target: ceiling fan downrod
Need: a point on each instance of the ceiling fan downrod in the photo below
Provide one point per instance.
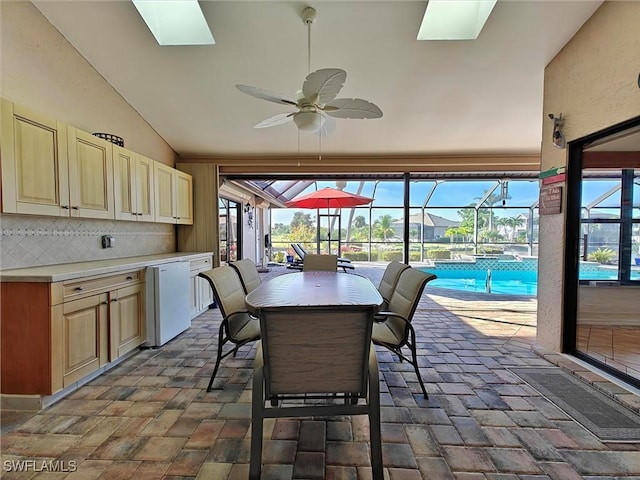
(308, 17)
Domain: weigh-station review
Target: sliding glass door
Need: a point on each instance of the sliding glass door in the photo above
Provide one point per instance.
(602, 315)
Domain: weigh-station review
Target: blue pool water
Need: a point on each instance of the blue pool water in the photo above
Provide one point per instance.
(508, 277)
(505, 283)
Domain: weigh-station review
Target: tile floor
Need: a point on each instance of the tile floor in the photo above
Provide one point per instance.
(150, 417)
(618, 346)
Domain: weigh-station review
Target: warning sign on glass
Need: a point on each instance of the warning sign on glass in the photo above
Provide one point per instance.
(550, 200)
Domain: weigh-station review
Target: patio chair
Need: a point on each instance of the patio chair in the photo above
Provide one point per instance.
(248, 273)
(301, 254)
(340, 259)
(320, 263)
(395, 330)
(325, 355)
(237, 326)
(389, 281)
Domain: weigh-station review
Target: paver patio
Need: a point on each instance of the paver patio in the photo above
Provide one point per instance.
(151, 416)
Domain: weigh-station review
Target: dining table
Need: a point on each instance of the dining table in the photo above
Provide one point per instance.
(314, 290)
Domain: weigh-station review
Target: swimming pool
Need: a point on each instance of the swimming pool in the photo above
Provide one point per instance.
(502, 282)
(507, 277)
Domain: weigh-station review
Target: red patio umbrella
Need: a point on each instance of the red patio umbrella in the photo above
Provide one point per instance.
(328, 198)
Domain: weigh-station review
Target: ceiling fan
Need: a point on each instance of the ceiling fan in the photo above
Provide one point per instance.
(316, 105)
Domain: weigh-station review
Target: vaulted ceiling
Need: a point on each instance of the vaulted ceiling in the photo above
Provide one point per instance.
(461, 97)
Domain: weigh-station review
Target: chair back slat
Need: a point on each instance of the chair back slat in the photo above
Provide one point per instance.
(320, 263)
(248, 273)
(324, 351)
(227, 289)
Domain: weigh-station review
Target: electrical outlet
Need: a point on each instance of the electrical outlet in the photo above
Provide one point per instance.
(108, 241)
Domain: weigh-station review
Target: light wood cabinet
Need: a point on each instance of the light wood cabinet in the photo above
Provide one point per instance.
(173, 195)
(200, 290)
(90, 175)
(85, 338)
(34, 163)
(133, 186)
(55, 334)
(49, 168)
(126, 320)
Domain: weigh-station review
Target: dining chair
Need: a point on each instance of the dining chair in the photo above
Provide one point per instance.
(389, 281)
(302, 254)
(395, 330)
(248, 273)
(325, 355)
(305, 251)
(237, 326)
(320, 263)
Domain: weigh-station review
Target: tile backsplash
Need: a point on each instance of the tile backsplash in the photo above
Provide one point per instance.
(29, 241)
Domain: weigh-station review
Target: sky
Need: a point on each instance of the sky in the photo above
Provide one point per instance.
(452, 193)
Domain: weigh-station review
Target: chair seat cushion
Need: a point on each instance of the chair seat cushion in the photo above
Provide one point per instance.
(243, 327)
(381, 333)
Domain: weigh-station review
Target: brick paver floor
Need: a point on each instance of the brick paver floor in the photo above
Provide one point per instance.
(151, 417)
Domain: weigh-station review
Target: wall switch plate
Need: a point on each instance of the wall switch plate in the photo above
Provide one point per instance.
(108, 241)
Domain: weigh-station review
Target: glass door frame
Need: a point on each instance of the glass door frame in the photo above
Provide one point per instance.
(573, 233)
(235, 207)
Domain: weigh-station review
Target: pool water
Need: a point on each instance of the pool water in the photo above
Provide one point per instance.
(505, 282)
(502, 282)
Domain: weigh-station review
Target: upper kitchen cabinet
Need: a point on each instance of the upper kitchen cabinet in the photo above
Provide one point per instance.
(133, 185)
(35, 176)
(174, 195)
(90, 175)
(49, 168)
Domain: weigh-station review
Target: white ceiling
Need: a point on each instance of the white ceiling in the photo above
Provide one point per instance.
(462, 97)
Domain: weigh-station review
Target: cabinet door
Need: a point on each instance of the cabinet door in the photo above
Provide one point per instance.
(90, 175)
(164, 193)
(34, 163)
(84, 337)
(184, 198)
(126, 320)
(144, 187)
(124, 182)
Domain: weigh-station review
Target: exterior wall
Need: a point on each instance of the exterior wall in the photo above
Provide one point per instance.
(40, 70)
(593, 82)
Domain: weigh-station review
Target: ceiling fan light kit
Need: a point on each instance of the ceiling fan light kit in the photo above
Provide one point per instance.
(317, 105)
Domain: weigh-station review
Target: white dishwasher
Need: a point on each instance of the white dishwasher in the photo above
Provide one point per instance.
(167, 302)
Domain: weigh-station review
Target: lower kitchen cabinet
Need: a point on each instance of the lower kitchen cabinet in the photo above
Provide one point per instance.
(85, 324)
(201, 294)
(55, 334)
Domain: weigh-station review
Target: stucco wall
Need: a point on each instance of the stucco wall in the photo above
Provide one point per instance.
(593, 82)
(39, 69)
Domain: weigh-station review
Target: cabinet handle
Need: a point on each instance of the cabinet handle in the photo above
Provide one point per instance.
(75, 208)
(114, 299)
(79, 289)
(65, 207)
(129, 277)
(105, 303)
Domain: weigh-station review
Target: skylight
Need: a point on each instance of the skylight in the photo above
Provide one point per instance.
(454, 19)
(175, 22)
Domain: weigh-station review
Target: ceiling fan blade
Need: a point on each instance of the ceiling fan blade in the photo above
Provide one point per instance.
(266, 95)
(352, 108)
(278, 119)
(323, 85)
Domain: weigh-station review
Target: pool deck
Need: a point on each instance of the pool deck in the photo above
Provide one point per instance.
(151, 417)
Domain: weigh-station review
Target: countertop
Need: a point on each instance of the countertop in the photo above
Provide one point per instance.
(72, 271)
